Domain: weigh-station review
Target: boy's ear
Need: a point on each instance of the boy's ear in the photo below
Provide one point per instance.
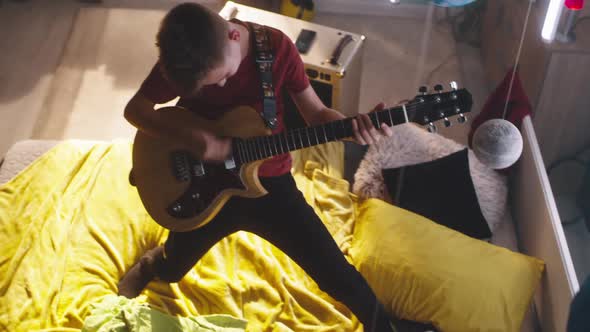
(234, 34)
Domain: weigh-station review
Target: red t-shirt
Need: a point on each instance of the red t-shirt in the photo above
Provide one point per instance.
(243, 88)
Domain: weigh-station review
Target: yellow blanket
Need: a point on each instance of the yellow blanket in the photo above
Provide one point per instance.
(71, 225)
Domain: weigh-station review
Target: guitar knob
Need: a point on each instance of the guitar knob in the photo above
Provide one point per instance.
(438, 88)
(423, 90)
(177, 207)
(462, 118)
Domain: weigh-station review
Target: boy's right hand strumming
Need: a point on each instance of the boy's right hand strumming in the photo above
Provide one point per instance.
(210, 147)
(140, 113)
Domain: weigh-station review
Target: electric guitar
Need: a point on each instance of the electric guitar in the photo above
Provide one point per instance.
(182, 193)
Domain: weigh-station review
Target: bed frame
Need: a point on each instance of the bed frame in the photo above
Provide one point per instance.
(540, 233)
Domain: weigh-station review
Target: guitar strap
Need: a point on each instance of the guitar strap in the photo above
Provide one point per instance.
(264, 60)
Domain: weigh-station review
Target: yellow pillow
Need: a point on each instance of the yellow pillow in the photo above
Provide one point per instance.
(426, 272)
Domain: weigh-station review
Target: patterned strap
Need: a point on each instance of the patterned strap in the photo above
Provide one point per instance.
(264, 60)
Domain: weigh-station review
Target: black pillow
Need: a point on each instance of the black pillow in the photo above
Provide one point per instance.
(440, 190)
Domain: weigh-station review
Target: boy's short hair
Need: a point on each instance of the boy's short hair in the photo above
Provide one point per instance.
(191, 41)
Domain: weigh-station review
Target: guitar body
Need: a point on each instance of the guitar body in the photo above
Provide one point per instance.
(180, 192)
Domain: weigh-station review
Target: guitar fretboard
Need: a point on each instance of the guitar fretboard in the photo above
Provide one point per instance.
(261, 147)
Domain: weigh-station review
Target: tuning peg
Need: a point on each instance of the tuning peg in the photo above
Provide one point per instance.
(462, 118)
(432, 128)
(423, 90)
(438, 88)
(447, 122)
(453, 85)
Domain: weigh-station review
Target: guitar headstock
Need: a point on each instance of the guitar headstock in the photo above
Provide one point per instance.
(440, 105)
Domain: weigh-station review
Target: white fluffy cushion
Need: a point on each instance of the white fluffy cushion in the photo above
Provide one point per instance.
(21, 155)
(412, 145)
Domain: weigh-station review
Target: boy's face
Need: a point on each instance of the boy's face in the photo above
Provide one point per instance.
(228, 65)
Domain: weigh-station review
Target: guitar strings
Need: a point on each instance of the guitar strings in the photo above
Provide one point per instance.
(249, 147)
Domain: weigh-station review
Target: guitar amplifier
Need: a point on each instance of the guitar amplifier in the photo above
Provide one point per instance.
(333, 61)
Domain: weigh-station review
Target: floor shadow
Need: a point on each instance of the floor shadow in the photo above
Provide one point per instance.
(37, 34)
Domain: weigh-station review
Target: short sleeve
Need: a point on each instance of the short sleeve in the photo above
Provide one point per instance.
(156, 88)
(295, 78)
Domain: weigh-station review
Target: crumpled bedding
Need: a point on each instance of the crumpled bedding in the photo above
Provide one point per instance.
(71, 225)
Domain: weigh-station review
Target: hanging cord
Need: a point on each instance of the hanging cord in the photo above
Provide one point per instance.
(579, 20)
(517, 61)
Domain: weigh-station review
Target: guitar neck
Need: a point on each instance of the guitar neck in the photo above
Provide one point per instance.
(262, 147)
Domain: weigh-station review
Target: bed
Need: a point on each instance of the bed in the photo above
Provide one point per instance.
(290, 303)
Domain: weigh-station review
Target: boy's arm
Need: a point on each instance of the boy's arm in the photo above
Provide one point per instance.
(141, 113)
(315, 112)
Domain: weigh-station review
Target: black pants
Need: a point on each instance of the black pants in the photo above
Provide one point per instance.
(283, 218)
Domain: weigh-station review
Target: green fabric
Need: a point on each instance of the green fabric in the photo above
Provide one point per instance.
(120, 314)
